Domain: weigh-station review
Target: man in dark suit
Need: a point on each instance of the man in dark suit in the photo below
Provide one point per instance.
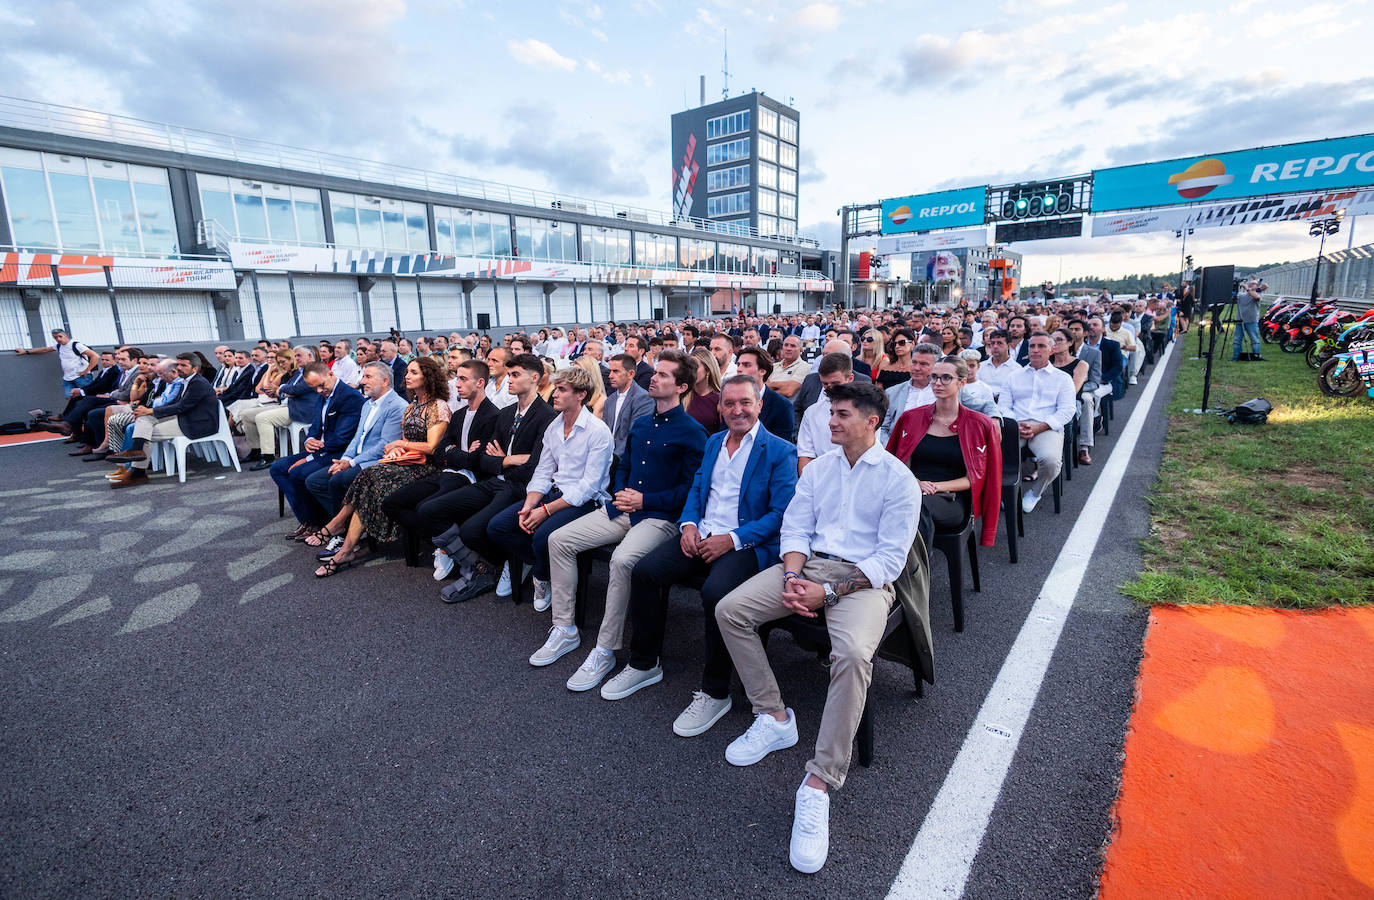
(810, 390)
(392, 357)
(106, 377)
(1113, 359)
(110, 388)
(193, 414)
(472, 426)
(729, 533)
(625, 402)
(636, 348)
(505, 465)
(330, 433)
(250, 369)
(776, 411)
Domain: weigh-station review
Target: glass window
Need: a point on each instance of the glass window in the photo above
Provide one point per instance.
(787, 156)
(727, 152)
(466, 225)
(155, 219)
(26, 201)
(787, 129)
(768, 225)
(309, 222)
(393, 229)
(114, 205)
(787, 206)
(768, 148)
(726, 179)
(218, 206)
(281, 221)
(768, 121)
(768, 175)
(370, 228)
(71, 197)
(733, 123)
(787, 228)
(417, 230)
(500, 234)
(345, 225)
(443, 233)
(787, 180)
(252, 221)
(768, 202)
(727, 204)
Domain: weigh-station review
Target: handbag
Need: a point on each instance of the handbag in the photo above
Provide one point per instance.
(404, 458)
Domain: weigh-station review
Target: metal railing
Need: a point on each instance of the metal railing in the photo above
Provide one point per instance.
(1347, 275)
(35, 115)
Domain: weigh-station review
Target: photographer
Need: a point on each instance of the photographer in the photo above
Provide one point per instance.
(1248, 312)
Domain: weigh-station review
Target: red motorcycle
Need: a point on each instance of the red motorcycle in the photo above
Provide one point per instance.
(1298, 331)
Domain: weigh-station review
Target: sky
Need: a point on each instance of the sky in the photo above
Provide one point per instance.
(894, 98)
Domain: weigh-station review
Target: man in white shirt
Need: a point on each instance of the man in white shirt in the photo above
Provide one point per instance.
(911, 394)
(557, 345)
(845, 539)
(813, 437)
(791, 369)
(344, 368)
(811, 332)
(723, 349)
(1042, 399)
(1000, 367)
(497, 388)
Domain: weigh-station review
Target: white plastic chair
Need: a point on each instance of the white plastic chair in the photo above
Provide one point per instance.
(293, 436)
(221, 444)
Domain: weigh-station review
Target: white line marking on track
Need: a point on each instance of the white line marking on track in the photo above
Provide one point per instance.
(942, 855)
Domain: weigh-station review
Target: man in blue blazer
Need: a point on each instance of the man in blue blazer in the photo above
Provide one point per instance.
(378, 425)
(730, 529)
(391, 355)
(330, 433)
(1113, 360)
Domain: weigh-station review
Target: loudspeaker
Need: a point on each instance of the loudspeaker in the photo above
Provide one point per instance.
(658, 314)
(777, 309)
(484, 321)
(1218, 285)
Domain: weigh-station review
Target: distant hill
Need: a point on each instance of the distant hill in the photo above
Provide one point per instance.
(1134, 284)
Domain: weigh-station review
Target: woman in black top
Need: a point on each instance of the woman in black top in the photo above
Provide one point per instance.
(1186, 302)
(938, 461)
(898, 370)
(1062, 358)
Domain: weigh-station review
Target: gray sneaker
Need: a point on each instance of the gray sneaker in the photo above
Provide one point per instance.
(630, 680)
(598, 665)
(543, 596)
(559, 645)
(703, 712)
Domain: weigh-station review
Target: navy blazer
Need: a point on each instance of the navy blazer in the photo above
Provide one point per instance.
(661, 456)
(339, 422)
(196, 410)
(243, 385)
(1113, 361)
(105, 382)
(777, 413)
(302, 401)
(770, 480)
(398, 377)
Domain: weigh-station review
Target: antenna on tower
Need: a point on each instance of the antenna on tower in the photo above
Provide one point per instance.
(725, 65)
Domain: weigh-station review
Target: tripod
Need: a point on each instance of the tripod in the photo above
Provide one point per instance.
(1223, 317)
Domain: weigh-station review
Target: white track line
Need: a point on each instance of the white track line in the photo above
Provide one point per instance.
(942, 855)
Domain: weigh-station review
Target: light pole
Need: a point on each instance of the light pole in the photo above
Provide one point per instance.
(1182, 254)
(1321, 228)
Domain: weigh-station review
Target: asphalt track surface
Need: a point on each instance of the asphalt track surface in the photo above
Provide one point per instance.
(188, 711)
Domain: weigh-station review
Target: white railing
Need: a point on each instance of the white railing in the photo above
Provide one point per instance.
(34, 115)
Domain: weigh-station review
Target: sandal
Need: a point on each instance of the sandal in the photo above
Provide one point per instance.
(334, 565)
(319, 537)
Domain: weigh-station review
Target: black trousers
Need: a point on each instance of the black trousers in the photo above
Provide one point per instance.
(471, 508)
(945, 511)
(667, 565)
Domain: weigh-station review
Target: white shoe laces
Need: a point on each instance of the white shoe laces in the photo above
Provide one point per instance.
(701, 701)
(810, 811)
(593, 661)
(555, 638)
(757, 735)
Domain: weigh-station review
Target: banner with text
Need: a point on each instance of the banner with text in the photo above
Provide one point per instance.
(1243, 212)
(1311, 166)
(942, 240)
(922, 212)
(84, 270)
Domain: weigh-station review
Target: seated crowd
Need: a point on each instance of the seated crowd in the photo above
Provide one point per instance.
(781, 464)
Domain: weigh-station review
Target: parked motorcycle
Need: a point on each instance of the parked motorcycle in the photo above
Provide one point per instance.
(1345, 373)
(1334, 332)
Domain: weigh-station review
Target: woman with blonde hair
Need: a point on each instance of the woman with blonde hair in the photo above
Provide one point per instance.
(546, 383)
(872, 352)
(704, 402)
(597, 401)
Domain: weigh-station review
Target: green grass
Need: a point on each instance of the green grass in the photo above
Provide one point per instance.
(1280, 514)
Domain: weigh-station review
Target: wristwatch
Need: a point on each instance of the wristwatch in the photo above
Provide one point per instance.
(831, 598)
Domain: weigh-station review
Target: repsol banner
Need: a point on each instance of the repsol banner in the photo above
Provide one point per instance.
(923, 212)
(1313, 166)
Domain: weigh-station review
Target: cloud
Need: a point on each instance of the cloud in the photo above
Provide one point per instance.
(819, 17)
(703, 23)
(536, 53)
(933, 59)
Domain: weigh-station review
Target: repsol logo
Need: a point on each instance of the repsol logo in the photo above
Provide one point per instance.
(1309, 168)
(931, 212)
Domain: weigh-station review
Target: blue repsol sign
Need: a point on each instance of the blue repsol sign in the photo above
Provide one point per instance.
(1286, 169)
(922, 212)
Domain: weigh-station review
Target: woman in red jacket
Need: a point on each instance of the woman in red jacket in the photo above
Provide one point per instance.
(955, 453)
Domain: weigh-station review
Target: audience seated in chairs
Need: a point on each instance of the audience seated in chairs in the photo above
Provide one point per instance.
(89, 412)
(914, 391)
(1042, 400)
(405, 460)
(189, 411)
(294, 401)
(646, 497)
(330, 433)
(845, 540)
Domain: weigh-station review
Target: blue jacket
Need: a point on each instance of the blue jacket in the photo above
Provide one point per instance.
(1113, 362)
(769, 481)
(776, 414)
(661, 456)
(302, 401)
(196, 409)
(366, 448)
(338, 421)
(398, 377)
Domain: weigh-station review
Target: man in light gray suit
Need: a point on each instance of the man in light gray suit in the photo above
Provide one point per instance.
(913, 393)
(626, 402)
(379, 425)
(1093, 390)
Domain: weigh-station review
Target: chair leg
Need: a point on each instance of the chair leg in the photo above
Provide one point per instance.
(584, 574)
(954, 562)
(866, 737)
(1008, 501)
(181, 460)
(1057, 489)
(973, 560)
(281, 504)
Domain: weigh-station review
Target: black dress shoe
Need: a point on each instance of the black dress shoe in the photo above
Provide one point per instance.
(253, 455)
(95, 457)
(263, 463)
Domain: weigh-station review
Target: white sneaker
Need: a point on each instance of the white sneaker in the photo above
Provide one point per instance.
(763, 737)
(559, 645)
(630, 680)
(598, 665)
(810, 829)
(543, 596)
(503, 588)
(1133, 379)
(1028, 500)
(703, 712)
(443, 564)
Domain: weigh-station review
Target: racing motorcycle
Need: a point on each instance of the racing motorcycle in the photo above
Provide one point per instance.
(1345, 373)
(1334, 332)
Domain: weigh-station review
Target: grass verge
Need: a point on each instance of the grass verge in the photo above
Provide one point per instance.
(1280, 514)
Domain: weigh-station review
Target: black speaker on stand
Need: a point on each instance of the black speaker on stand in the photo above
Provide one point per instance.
(1218, 292)
(658, 314)
(484, 321)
